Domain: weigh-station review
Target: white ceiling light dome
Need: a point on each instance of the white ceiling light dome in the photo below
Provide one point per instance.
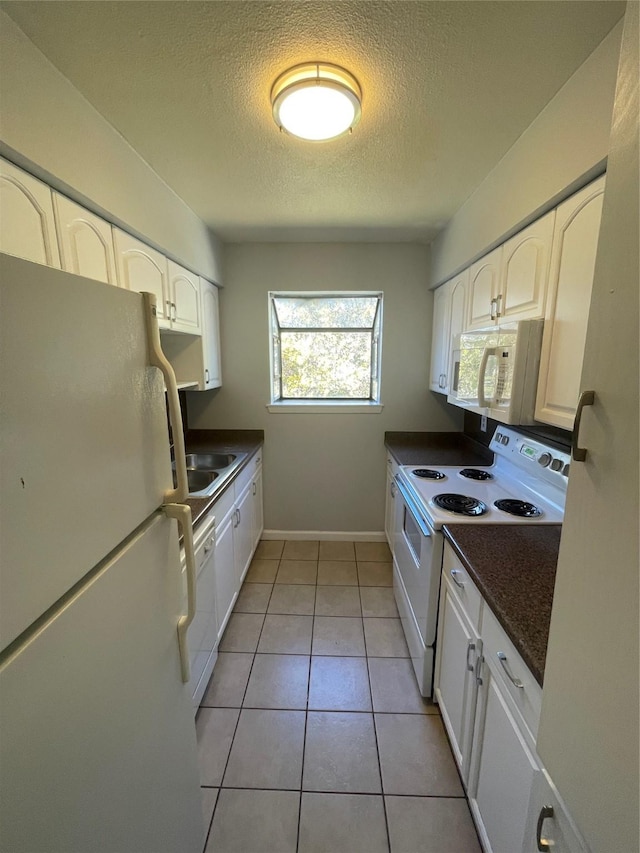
(316, 101)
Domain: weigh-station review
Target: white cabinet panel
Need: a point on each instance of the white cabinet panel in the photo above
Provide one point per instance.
(440, 338)
(575, 242)
(210, 335)
(258, 509)
(226, 586)
(184, 298)
(242, 533)
(553, 826)
(455, 682)
(525, 271)
(142, 268)
(484, 287)
(503, 770)
(390, 502)
(86, 241)
(27, 225)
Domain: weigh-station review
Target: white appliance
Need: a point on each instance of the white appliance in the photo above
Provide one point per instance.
(525, 484)
(495, 371)
(98, 747)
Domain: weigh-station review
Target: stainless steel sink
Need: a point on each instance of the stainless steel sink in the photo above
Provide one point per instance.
(209, 461)
(199, 480)
(207, 472)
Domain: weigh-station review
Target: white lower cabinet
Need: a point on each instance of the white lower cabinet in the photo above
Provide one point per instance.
(455, 677)
(503, 768)
(226, 586)
(549, 822)
(390, 501)
(242, 533)
(490, 706)
(257, 513)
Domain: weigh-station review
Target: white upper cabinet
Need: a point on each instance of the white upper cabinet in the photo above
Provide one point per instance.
(210, 335)
(184, 298)
(449, 319)
(440, 338)
(484, 288)
(27, 225)
(142, 268)
(575, 241)
(525, 271)
(86, 241)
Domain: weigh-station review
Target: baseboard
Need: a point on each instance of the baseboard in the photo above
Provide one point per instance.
(326, 535)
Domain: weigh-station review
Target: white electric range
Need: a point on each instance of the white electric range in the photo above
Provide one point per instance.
(526, 484)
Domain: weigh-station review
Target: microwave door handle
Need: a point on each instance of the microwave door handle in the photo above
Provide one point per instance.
(488, 351)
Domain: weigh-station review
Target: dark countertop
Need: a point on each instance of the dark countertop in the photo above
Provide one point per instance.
(514, 567)
(222, 441)
(436, 448)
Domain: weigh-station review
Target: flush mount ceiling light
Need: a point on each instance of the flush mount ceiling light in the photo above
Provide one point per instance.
(316, 101)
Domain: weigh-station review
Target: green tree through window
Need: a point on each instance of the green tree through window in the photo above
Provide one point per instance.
(325, 346)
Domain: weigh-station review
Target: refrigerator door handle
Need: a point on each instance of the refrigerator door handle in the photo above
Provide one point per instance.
(182, 513)
(158, 359)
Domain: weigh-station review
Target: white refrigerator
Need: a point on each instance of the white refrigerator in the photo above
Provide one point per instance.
(97, 739)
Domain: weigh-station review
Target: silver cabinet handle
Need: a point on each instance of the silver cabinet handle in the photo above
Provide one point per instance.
(493, 309)
(453, 573)
(545, 812)
(587, 398)
(393, 490)
(206, 375)
(254, 489)
(175, 311)
(499, 305)
(515, 681)
(470, 648)
(239, 517)
(479, 661)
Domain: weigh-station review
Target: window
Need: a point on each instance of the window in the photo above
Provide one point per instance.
(325, 347)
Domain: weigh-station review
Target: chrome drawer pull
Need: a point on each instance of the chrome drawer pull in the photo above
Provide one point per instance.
(543, 844)
(470, 648)
(453, 573)
(587, 398)
(515, 681)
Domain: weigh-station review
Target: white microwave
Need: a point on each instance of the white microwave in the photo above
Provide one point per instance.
(495, 371)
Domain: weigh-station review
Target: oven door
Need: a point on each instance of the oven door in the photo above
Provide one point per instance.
(418, 559)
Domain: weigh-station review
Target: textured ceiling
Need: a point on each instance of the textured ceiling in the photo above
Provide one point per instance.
(447, 88)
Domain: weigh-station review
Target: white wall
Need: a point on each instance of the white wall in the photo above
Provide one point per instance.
(325, 471)
(48, 124)
(566, 144)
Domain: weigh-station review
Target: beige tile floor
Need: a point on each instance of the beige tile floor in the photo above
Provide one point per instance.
(312, 735)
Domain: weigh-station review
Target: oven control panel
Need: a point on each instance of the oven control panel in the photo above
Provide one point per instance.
(527, 452)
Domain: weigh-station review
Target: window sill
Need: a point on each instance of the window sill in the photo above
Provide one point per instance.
(331, 407)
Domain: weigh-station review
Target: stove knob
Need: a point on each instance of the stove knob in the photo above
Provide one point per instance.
(504, 439)
(557, 465)
(565, 470)
(544, 459)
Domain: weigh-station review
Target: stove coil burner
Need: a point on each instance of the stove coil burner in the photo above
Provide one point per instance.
(460, 504)
(428, 474)
(476, 474)
(519, 508)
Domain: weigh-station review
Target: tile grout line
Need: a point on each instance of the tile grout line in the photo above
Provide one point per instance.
(306, 711)
(375, 734)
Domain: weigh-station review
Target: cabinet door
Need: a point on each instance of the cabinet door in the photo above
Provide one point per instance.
(27, 225)
(242, 534)
(142, 268)
(575, 241)
(202, 636)
(525, 271)
(258, 509)
(459, 287)
(458, 648)
(184, 298)
(210, 335)
(440, 338)
(503, 769)
(86, 241)
(226, 587)
(390, 504)
(484, 283)
(556, 828)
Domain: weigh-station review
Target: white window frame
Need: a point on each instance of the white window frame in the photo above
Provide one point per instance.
(323, 405)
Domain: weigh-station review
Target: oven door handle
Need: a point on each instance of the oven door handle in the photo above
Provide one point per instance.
(413, 508)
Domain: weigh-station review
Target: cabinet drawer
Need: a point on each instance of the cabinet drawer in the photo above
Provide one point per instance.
(223, 506)
(463, 588)
(247, 474)
(528, 698)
